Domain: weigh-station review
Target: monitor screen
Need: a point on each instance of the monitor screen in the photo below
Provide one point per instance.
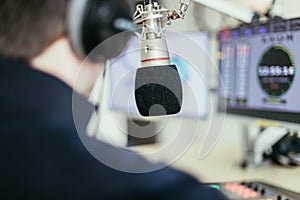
(188, 52)
(260, 70)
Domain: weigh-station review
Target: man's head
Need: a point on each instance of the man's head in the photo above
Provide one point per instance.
(54, 36)
(28, 27)
(35, 31)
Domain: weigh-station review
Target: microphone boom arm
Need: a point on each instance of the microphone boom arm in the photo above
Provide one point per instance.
(180, 13)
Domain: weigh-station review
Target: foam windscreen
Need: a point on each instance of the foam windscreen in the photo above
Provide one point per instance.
(158, 90)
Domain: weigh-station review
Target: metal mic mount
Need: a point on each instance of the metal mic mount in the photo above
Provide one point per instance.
(154, 20)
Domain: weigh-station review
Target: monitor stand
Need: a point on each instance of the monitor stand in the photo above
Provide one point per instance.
(141, 132)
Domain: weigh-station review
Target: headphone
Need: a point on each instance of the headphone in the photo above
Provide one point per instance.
(91, 22)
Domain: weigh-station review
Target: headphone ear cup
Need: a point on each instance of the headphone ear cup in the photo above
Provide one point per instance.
(90, 22)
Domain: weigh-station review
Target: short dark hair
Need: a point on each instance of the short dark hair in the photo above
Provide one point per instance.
(28, 27)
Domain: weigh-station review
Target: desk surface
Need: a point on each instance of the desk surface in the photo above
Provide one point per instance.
(222, 164)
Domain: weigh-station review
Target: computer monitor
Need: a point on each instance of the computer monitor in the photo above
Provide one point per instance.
(260, 70)
(188, 51)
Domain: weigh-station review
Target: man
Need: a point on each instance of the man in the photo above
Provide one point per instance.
(42, 155)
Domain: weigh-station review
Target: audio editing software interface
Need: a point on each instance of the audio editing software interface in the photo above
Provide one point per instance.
(259, 67)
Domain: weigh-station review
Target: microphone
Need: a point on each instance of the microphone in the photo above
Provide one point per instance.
(158, 88)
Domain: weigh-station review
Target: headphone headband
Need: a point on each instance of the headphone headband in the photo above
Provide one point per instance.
(75, 18)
